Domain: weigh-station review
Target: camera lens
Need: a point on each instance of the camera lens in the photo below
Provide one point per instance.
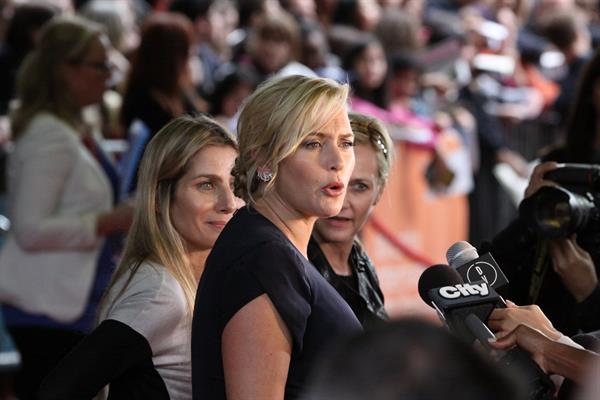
(555, 212)
(554, 216)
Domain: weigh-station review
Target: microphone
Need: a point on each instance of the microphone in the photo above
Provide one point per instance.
(464, 307)
(464, 258)
(443, 288)
(437, 276)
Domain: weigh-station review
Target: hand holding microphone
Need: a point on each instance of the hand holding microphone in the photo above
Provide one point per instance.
(507, 316)
(505, 320)
(464, 307)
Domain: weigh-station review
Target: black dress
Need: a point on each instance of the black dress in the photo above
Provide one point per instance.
(252, 257)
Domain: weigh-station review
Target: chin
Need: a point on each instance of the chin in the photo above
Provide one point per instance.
(330, 214)
(321, 209)
(333, 210)
(336, 237)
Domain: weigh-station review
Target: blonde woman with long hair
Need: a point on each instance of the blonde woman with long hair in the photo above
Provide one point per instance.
(263, 313)
(141, 348)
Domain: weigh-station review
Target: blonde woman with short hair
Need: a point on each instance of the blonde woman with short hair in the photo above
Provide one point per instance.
(263, 314)
(141, 348)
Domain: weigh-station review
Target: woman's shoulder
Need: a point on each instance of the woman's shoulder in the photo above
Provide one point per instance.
(246, 233)
(151, 302)
(153, 276)
(44, 120)
(45, 127)
(149, 286)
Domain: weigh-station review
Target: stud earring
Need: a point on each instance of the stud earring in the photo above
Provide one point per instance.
(264, 174)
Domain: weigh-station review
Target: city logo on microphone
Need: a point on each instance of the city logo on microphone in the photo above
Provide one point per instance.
(464, 290)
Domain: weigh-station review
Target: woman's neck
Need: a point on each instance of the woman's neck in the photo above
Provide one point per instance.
(338, 255)
(197, 260)
(295, 226)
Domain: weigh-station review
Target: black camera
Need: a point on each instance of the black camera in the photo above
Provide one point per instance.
(571, 207)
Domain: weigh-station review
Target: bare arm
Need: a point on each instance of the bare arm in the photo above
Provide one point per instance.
(551, 356)
(256, 349)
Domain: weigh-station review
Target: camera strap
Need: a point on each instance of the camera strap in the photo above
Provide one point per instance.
(540, 266)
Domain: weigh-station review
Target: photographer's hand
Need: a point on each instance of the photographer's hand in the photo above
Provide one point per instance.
(575, 267)
(504, 320)
(537, 177)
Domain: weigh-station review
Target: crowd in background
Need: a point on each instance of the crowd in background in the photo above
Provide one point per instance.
(505, 82)
(498, 75)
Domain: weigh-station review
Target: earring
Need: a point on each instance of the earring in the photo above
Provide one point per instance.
(264, 174)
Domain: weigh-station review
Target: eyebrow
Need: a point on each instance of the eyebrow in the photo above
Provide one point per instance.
(322, 134)
(211, 176)
(361, 178)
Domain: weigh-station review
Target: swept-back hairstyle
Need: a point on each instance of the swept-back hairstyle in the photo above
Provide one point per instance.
(371, 132)
(40, 82)
(274, 121)
(152, 235)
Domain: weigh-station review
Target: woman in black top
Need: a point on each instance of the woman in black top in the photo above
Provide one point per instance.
(334, 248)
(263, 313)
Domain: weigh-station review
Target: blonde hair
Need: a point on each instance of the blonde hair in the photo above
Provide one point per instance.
(152, 235)
(274, 121)
(371, 131)
(40, 84)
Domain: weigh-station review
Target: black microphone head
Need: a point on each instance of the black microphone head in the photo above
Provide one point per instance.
(437, 276)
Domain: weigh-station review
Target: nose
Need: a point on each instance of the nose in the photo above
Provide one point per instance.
(334, 159)
(227, 201)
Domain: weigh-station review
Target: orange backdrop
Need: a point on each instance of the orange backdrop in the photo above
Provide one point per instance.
(426, 222)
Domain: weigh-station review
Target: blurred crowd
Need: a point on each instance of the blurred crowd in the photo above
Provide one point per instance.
(498, 76)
